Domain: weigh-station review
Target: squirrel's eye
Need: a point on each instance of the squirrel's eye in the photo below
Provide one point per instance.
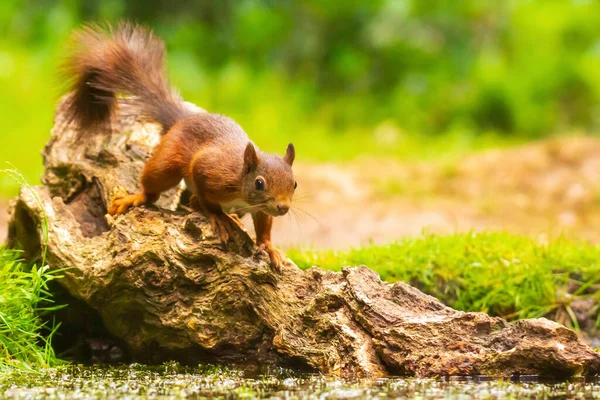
(259, 184)
(295, 185)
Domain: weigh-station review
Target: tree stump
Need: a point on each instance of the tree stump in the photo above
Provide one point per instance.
(165, 287)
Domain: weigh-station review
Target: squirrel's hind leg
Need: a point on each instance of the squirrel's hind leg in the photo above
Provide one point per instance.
(120, 204)
(162, 172)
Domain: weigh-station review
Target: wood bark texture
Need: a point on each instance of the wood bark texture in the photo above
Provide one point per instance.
(167, 289)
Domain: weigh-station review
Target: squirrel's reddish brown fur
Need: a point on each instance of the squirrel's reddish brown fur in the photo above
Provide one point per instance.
(225, 171)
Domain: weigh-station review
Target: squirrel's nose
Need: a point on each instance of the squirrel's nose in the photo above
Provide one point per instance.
(282, 208)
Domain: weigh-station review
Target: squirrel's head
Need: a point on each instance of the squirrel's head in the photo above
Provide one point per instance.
(268, 180)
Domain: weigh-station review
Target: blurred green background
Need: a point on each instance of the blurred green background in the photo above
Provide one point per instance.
(342, 79)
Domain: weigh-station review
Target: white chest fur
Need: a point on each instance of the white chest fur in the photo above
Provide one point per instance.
(229, 207)
(237, 204)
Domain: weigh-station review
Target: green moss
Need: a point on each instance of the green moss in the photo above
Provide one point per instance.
(498, 273)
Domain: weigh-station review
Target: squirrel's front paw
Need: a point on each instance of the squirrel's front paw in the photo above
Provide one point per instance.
(223, 224)
(236, 218)
(274, 255)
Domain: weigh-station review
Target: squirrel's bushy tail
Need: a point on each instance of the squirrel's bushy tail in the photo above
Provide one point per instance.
(126, 63)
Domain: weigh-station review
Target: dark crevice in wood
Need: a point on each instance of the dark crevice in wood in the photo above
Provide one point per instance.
(88, 208)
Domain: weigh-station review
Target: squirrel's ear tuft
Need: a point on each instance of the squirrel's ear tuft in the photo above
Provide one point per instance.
(290, 154)
(251, 159)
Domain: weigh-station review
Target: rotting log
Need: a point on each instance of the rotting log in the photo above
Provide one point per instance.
(165, 287)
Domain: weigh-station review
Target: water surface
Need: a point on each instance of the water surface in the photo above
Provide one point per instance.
(173, 381)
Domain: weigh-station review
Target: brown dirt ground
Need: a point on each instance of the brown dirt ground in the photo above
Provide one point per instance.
(542, 189)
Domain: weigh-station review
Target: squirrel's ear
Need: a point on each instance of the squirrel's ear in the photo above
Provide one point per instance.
(251, 159)
(290, 154)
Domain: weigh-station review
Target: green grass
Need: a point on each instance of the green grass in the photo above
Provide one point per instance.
(24, 297)
(24, 338)
(498, 273)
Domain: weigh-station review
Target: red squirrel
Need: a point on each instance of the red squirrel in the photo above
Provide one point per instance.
(221, 166)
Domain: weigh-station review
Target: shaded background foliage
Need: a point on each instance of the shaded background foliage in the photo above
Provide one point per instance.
(376, 77)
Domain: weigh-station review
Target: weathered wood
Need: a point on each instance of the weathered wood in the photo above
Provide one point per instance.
(164, 285)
